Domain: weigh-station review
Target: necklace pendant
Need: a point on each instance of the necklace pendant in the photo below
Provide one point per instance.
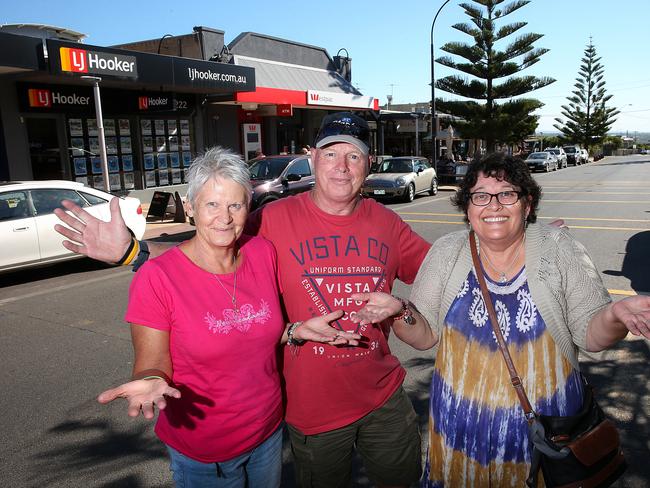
(503, 278)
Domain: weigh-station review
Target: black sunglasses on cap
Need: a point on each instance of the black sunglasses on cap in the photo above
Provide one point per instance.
(344, 127)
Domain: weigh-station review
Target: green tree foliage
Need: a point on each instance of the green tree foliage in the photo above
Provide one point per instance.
(588, 119)
(492, 76)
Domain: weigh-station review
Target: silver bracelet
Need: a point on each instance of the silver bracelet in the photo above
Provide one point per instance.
(291, 341)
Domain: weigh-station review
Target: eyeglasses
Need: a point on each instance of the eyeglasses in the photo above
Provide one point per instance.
(483, 199)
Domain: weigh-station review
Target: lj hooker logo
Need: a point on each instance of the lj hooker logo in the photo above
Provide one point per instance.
(39, 98)
(94, 62)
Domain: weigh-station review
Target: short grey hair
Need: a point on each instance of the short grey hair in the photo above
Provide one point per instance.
(218, 162)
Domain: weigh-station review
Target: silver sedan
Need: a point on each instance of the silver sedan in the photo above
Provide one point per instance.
(542, 161)
(401, 177)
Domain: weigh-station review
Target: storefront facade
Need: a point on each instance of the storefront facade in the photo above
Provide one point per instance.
(296, 86)
(151, 109)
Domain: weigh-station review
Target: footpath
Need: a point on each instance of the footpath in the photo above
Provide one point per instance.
(166, 230)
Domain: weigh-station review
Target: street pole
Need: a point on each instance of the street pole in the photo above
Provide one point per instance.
(100, 129)
(434, 119)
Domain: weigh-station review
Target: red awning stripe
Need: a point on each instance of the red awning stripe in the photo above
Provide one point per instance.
(273, 95)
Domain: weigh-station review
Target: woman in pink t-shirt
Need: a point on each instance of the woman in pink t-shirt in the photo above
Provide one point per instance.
(205, 322)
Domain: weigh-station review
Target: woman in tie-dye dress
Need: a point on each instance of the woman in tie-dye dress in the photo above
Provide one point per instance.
(550, 303)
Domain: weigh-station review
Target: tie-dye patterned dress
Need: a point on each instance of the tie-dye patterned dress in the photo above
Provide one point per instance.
(477, 432)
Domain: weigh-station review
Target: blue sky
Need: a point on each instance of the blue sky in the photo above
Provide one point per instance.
(388, 41)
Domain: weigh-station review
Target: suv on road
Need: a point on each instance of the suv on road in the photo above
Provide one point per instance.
(560, 155)
(275, 177)
(573, 155)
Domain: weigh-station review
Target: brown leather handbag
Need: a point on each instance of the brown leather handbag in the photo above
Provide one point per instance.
(577, 451)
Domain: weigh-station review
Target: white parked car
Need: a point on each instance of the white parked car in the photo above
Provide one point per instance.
(585, 155)
(27, 219)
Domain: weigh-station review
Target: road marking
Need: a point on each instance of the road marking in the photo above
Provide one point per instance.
(434, 221)
(440, 214)
(76, 284)
(595, 227)
(596, 192)
(596, 201)
(583, 227)
(645, 221)
(423, 202)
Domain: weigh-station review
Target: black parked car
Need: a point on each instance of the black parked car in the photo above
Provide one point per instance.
(275, 177)
(451, 172)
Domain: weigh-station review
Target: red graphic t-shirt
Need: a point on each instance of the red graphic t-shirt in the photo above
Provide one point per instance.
(224, 358)
(322, 260)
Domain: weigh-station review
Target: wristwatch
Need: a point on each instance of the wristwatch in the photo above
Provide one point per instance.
(142, 256)
(406, 314)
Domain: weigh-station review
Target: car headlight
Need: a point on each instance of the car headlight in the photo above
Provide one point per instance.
(400, 181)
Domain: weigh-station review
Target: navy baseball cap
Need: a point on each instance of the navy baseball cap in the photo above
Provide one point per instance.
(344, 127)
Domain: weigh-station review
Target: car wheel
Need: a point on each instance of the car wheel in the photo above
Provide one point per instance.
(546, 168)
(434, 187)
(409, 194)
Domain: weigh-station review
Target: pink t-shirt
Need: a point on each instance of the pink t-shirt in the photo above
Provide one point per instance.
(322, 260)
(224, 363)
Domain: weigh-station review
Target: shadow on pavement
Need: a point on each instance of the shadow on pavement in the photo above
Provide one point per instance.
(97, 453)
(636, 265)
(29, 275)
(622, 384)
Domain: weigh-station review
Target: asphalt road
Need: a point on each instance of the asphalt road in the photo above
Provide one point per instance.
(62, 341)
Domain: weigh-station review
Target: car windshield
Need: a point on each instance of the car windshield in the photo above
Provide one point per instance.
(396, 166)
(537, 156)
(554, 151)
(268, 168)
(570, 149)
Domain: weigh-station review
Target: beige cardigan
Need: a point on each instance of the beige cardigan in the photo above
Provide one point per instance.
(562, 279)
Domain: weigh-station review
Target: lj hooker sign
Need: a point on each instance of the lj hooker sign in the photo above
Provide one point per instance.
(88, 60)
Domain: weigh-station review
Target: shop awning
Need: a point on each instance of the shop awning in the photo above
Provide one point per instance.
(273, 74)
(284, 83)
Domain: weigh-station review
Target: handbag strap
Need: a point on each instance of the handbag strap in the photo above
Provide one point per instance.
(512, 371)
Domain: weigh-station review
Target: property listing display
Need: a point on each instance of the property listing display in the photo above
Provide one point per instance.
(166, 150)
(85, 154)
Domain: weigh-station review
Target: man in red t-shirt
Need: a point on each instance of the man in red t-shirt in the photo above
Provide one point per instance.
(331, 243)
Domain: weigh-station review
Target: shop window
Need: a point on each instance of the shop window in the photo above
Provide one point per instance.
(84, 149)
(166, 150)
